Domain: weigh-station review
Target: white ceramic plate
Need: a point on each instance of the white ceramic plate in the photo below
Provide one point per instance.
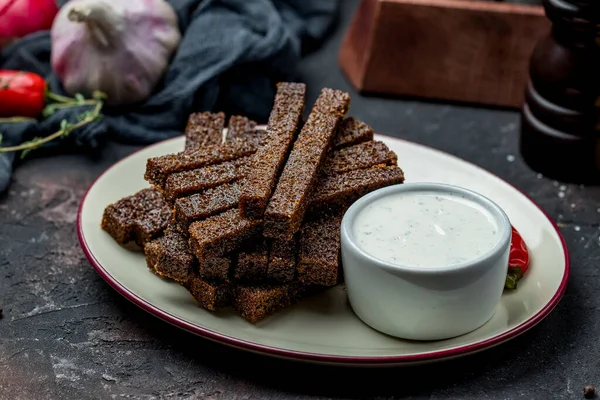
(324, 328)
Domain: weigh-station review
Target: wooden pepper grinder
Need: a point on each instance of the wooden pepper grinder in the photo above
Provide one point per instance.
(559, 117)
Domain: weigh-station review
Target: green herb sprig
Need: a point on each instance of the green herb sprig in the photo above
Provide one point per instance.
(58, 102)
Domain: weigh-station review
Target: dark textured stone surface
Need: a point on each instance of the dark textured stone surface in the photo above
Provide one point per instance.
(67, 335)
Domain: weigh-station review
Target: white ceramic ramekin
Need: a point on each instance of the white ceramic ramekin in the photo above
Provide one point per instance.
(424, 303)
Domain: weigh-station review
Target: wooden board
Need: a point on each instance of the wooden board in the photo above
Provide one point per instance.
(459, 50)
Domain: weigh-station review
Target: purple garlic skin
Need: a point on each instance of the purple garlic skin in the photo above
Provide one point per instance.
(121, 48)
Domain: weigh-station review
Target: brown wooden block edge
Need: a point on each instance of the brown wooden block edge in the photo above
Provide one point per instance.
(457, 50)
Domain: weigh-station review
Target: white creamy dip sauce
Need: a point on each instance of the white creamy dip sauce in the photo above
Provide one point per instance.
(425, 229)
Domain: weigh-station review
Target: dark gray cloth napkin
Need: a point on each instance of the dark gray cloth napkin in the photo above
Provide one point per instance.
(231, 55)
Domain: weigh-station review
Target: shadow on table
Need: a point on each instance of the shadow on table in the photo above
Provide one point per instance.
(498, 367)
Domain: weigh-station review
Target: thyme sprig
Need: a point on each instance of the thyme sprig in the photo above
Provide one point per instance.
(58, 102)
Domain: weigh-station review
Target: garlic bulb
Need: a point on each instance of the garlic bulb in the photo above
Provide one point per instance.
(119, 47)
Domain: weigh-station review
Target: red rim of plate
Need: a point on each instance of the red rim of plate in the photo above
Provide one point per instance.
(327, 358)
